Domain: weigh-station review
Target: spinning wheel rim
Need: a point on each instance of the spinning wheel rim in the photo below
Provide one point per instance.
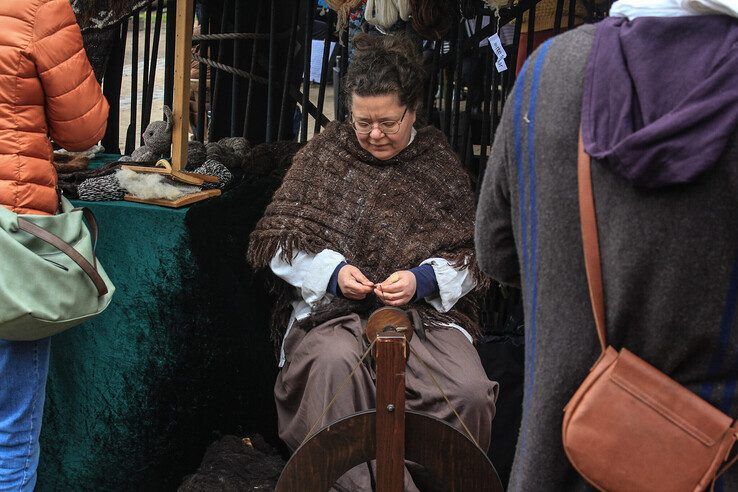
(453, 461)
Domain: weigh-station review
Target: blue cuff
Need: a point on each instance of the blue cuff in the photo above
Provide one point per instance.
(425, 281)
(333, 283)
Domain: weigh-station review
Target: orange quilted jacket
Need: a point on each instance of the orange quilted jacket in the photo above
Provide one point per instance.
(47, 87)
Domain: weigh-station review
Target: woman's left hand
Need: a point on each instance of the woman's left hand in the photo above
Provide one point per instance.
(398, 289)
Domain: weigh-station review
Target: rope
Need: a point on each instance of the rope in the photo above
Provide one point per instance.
(237, 35)
(443, 393)
(338, 392)
(229, 69)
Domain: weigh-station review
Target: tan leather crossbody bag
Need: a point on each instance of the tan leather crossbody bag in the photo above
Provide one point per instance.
(629, 426)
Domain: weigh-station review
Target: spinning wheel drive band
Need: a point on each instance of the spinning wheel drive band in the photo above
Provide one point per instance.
(449, 460)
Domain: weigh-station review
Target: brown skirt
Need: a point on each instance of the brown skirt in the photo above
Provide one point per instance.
(319, 360)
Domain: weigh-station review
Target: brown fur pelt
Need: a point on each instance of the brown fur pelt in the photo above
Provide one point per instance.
(235, 464)
(383, 216)
(432, 19)
(65, 163)
(271, 158)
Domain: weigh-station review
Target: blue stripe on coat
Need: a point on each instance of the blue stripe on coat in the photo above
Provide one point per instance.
(533, 209)
(527, 205)
(532, 281)
(517, 133)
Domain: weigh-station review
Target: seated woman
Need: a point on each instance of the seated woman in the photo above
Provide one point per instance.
(375, 213)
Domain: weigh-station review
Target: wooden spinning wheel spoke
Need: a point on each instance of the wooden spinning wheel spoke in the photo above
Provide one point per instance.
(390, 434)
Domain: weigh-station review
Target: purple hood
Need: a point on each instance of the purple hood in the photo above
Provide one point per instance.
(660, 97)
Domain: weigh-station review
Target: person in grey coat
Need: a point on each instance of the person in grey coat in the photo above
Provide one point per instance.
(657, 100)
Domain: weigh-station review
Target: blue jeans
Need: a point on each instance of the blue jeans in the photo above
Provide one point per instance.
(23, 370)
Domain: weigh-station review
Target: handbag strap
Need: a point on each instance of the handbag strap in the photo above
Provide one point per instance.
(593, 264)
(73, 254)
(92, 223)
(591, 242)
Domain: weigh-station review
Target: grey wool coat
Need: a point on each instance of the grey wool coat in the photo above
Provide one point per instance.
(669, 261)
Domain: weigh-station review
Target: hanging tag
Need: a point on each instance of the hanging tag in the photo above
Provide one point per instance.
(501, 65)
(496, 44)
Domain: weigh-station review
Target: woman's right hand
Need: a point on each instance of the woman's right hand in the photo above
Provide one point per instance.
(353, 284)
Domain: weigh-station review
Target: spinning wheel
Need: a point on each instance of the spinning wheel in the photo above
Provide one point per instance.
(451, 460)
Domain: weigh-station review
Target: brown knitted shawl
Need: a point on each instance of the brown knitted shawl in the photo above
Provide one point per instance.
(383, 216)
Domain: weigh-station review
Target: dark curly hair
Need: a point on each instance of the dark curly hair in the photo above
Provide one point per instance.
(388, 64)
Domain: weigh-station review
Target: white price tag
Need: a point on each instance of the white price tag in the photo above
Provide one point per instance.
(501, 65)
(496, 44)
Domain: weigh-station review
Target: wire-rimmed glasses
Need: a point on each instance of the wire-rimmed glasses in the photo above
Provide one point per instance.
(387, 127)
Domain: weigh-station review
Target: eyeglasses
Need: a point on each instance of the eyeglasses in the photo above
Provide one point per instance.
(386, 127)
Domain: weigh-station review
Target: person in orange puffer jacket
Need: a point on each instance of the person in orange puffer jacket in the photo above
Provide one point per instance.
(47, 87)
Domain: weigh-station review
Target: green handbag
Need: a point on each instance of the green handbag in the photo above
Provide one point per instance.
(50, 279)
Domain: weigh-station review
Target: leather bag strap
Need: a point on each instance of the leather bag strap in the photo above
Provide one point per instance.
(92, 223)
(591, 242)
(68, 250)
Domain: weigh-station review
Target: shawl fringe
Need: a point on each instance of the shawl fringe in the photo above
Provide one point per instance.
(262, 249)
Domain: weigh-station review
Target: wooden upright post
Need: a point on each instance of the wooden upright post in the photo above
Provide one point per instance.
(181, 100)
(391, 352)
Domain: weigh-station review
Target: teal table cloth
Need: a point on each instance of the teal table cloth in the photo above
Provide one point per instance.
(180, 357)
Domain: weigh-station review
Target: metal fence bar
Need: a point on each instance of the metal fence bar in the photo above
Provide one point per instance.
(131, 134)
(169, 57)
(486, 106)
(254, 48)
(112, 82)
(202, 82)
(433, 80)
(145, 71)
(151, 67)
(342, 69)
(307, 48)
(217, 75)
(237, 60)
(288, 71)
(558, 16)
(324, 68)
(272, 66)
(530, 38)
(454, 138)
(572, 12)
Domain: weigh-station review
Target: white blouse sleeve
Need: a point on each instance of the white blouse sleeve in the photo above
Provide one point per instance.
(309, 274)
(453, 284)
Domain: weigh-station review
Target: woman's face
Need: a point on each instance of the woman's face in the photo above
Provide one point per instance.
(375, 110)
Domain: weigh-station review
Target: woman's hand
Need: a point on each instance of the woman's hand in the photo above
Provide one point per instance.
(353, 284)
(398, 289)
